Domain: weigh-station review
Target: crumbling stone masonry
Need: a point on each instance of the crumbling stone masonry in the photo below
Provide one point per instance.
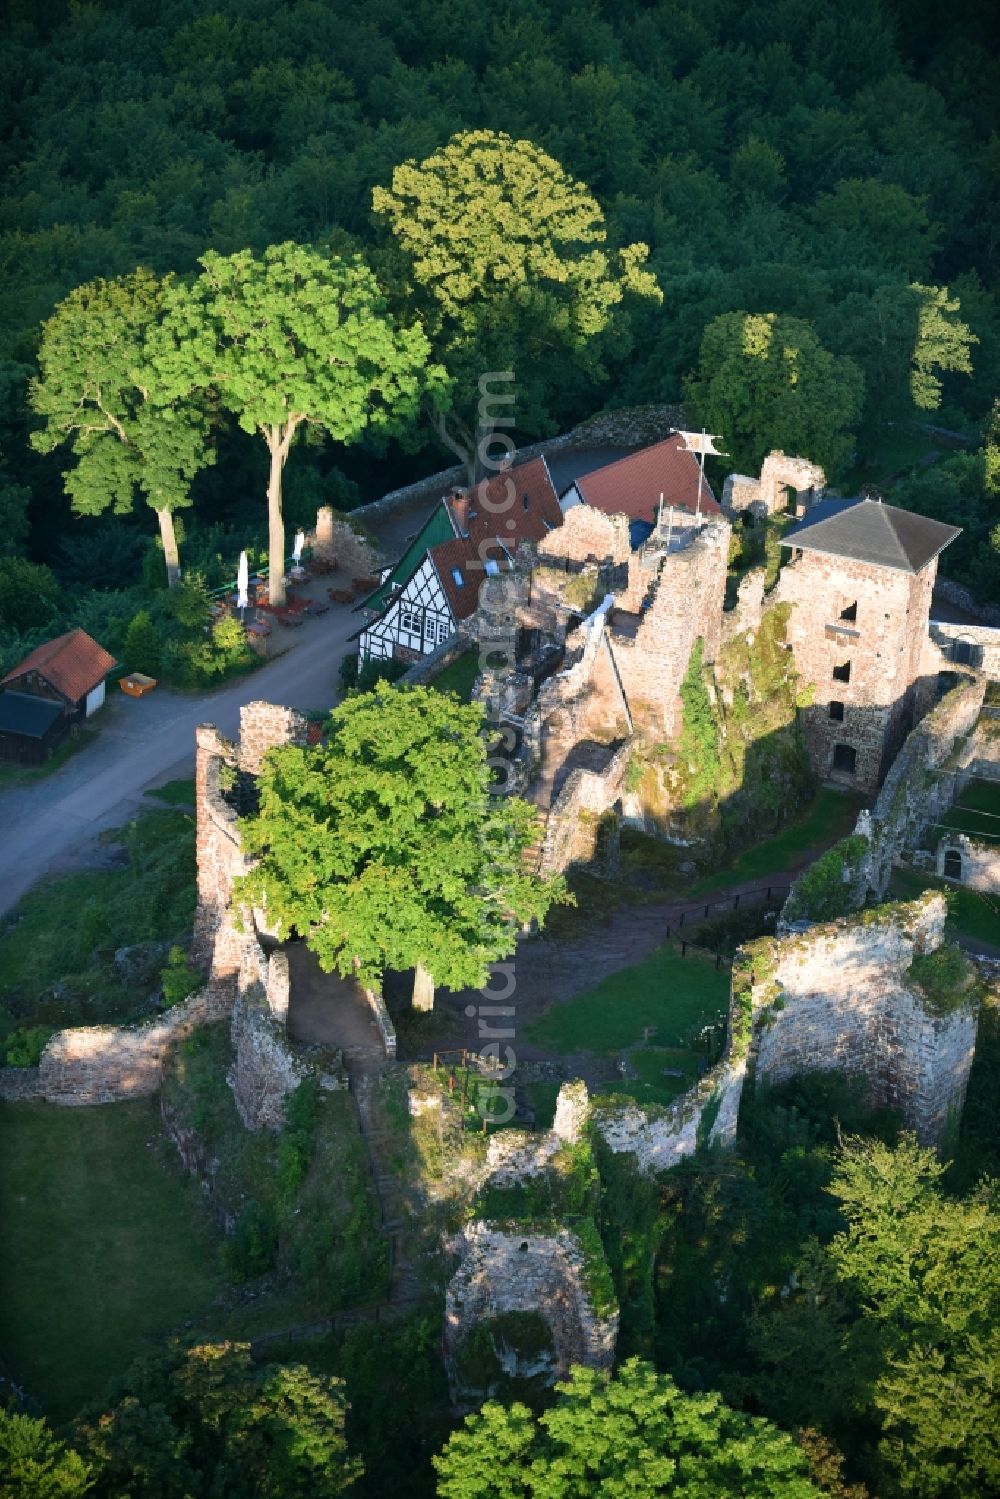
(837, 997)
(791, 484)
(108, 1063)
(524, 1270)
(969, 862)
(946, 749)
(217, 942)
(652, 649)
(335, 541)
(840, 997)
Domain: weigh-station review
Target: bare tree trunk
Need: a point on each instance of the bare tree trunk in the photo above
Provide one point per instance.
(170, 553)
(423, 989)
(275, 522)
(462, 444)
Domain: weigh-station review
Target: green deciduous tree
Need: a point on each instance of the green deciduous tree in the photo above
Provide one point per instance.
(511, 269)
(292, 338)
(633, 1436)
(29, 594)
(765, 381)
(879, 222)
(903, 338)
(98, 391)
(385, 849)
(926, 1270)
(34, 1464)
(207, 1423)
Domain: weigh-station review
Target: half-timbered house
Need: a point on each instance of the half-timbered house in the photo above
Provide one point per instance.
(470, 534)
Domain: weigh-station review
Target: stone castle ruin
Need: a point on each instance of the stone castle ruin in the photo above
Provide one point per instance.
(600, 635)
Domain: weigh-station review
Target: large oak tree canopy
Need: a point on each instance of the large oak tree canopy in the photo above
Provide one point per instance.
(296, 336)
(509, 263)
(99, 392)
(384, 848)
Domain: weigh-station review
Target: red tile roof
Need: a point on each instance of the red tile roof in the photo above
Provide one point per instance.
(72, 664)
(517, 505)
(632, 486)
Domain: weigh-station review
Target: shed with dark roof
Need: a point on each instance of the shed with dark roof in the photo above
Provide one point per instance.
(866, 530)
(30, 727)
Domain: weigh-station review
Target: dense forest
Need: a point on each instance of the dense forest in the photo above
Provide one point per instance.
(830, 172)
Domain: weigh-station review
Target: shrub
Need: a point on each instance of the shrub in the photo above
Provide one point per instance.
(29, 594)
(252, 1248)
(297, 1143)
(189, 603)
(699, 744)
(946, 979)
(141, 648)
(179, 979)
(826, 890)
(24, 1047)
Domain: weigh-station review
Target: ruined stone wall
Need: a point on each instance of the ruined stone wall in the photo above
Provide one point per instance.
(109, 1063)
(746, 615)
(265, 1070)
(527, 1270)
(938, 758)
(770, 493)
(963, 647)
(266, 726)
(834, 997)
(880, 647)
(954, 593)
(705, 1115)
(838, 997)
(335, 541)
(217, 943)
(687, 602)
(980, 861)
(587, 535)
(573, 826)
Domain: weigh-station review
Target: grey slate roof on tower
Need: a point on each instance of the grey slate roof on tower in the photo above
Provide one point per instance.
(868, 531)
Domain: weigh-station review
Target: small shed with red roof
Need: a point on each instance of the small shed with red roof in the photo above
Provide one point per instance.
(69, 670)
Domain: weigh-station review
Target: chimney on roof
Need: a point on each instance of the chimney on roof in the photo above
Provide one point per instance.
(460, 510)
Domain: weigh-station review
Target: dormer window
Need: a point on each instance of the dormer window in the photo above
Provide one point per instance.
(491, 567)
(456, 574)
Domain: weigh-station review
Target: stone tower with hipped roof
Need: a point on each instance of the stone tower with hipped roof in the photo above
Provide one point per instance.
(861, 579)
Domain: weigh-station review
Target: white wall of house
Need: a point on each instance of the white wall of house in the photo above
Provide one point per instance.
(419, 620)
(95, 700)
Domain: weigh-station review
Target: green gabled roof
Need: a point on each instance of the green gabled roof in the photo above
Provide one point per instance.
(436, 528)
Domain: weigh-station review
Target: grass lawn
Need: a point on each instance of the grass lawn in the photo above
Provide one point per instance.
(830, 816)
(678, 996)
(175, 793)
(971, 914)
(459, 676)
(977, 813)
(105, 1248)
(23, 775)
(57, 947)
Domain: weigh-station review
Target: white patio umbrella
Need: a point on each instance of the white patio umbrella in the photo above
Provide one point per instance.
(299, 543)
(243, 583)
